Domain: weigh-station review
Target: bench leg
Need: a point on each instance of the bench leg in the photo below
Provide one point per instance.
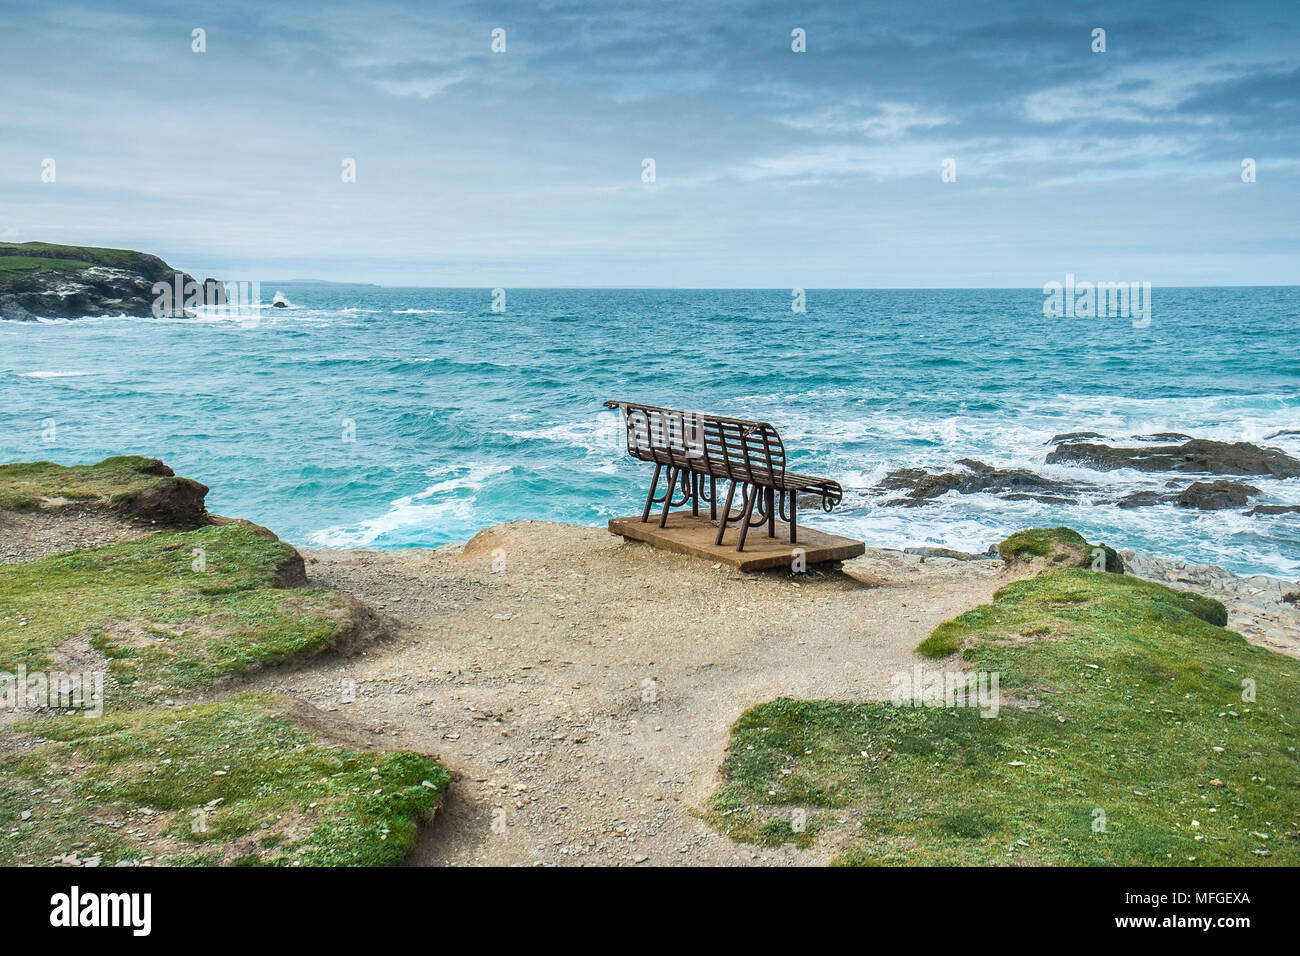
(771, 512)
(649, 499)
(713, 498)
(726, 512)
(697, 482)
(794, 521)
(749, 514)
(668, 497)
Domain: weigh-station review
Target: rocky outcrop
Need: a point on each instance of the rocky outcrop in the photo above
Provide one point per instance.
(1199, 455)
(1073, 436)
(1273, 510)
(1059, 548)
(1012, 484)
(138, 489)
(1215, 495)
(42, 280)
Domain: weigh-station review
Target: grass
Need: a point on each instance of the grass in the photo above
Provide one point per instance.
(73, 256)
(41, 264)
(242, 781)
(1123, 738)
(116, 481)
(163, 625)
(232, 782)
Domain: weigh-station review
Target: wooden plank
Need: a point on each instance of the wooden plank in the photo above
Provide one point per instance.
(687, 534)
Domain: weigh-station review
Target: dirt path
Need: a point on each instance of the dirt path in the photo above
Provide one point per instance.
(582, 692)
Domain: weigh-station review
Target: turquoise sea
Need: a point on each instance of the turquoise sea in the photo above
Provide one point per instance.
(390, 417)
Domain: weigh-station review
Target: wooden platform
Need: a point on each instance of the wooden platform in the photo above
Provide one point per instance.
(687, 534)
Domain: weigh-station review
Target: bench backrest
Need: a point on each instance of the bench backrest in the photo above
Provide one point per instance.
(730, 448)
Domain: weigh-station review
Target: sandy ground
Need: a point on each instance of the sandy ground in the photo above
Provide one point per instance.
(582, 691)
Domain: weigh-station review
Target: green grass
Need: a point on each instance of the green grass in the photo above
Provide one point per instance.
(164, 626)
(118, 481)
(235, 782)
(40, 264)
(1115, 694)
(76, 256)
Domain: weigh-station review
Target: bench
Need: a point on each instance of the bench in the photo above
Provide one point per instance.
(700, 450)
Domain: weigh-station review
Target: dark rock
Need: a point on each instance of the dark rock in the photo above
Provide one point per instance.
(12, 308)
(902, 478)
(1215, 495)
(1073, 436)
(1163, 436)
(1200, 455)
(1143, 499)
(1043, 499)
(1016, 484)
(157, 468)
(1273, 510)
(280, 304)
(1284, 431)
(214, 292)
(173, 502)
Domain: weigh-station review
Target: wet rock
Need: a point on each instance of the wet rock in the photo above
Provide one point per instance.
(1073, 436)
(902, 478)
(1144, 499)
(1215, 495)
(214, 292)
(1200, 455)
(1016, 484)
(1164, 436)
(1273, 510)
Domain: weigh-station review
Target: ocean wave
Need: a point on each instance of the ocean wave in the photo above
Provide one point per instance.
(450, 500)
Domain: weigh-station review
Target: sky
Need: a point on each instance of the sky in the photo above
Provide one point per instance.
(772, 168)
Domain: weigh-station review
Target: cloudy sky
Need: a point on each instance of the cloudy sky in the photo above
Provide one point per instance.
(772, 168)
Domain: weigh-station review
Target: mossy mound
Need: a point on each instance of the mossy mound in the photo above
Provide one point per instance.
(1060, 548)
(134, 487)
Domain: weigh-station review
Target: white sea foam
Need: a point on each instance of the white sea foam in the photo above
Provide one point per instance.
(600, 435)
(45, 374)
(449, 501)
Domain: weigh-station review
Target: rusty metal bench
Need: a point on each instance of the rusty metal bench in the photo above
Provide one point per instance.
(699, 450)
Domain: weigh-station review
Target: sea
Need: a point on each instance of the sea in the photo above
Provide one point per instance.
(379, 417)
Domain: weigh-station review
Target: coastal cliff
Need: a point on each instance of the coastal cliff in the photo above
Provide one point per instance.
(40, 280)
